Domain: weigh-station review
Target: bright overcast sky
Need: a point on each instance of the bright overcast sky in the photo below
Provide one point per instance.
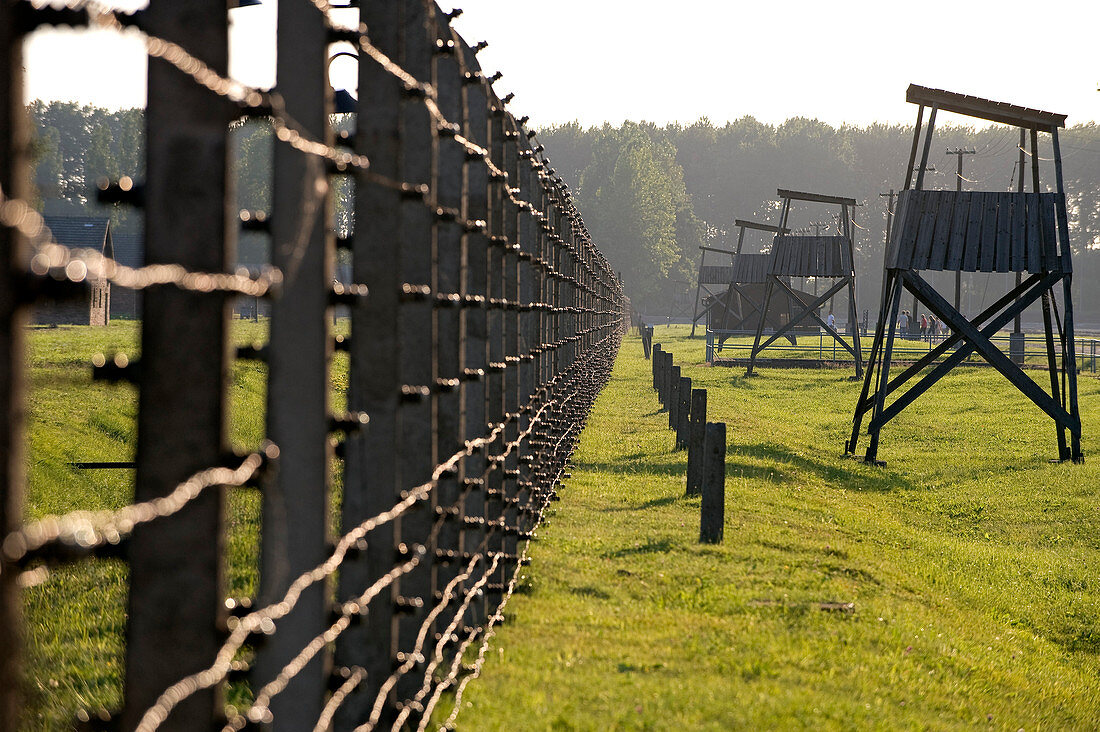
(611, 60)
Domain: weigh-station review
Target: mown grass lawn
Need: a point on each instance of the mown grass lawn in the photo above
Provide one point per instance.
(76, 619)
(973, 564)
(971, 561)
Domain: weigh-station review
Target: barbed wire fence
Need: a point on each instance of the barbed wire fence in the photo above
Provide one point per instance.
(484, 322)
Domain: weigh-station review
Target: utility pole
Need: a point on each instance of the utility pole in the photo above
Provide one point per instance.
(889, 214)
(959, 151)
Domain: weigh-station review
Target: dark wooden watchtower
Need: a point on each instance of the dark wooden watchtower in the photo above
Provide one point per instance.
(710, 275)
(821, 257)
(739, 305)
(1022, 232)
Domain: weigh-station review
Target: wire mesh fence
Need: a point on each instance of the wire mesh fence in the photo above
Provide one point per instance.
(484, 322)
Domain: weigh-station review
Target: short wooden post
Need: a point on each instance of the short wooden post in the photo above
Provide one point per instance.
(697, 427)
(666, 387)
(712, 516)
(662, 378)
(683, 412)
(672, 399)
(655, 364)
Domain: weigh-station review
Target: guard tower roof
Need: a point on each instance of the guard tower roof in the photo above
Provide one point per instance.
(759, 227)
(816, 197)
(1003, 112)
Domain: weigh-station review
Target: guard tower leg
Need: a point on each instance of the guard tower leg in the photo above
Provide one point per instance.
(884, 370)
(1071, 373)
(1052, 369)
(760, 326)
(698, 287)
(876, 351)
(854, 326)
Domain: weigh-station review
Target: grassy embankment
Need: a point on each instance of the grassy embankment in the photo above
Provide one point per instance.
(973, 565)
(972, 562)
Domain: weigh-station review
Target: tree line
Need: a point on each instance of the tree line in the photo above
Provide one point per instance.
(651, 195)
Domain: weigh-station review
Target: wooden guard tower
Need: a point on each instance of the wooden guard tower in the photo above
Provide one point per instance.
(710, 275)
(737, 306)
(827, 257)
(1026, 233)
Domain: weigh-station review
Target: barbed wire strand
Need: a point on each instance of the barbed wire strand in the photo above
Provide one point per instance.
(158, 713)
(468, 596)
(489, 631)
(277, 610)
(437, 656)
(51, 258)
(356, 677)
(413, 656)
(89, 529)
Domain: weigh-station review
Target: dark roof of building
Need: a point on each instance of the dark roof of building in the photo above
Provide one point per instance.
(88, 232)
(129, 248)
(711, 274)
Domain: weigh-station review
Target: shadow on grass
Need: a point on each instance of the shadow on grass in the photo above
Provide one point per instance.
(650, 547)
(654, 503)
(589, 591)
(784, 466)
(634, 464)
(836, 475)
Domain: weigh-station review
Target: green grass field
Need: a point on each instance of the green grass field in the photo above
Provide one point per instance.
(972, 562)
(75, 620)
(822, 347)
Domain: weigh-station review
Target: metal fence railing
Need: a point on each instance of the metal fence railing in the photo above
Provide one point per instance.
(483, 324)
(1028, 348)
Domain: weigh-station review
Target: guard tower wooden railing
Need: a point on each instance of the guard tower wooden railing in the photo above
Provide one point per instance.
(824, 257)
(1022, 232)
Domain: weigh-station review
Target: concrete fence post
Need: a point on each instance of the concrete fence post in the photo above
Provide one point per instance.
(296, 502)
(176, 599)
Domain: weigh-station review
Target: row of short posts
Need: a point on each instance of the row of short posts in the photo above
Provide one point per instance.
(704, 441)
